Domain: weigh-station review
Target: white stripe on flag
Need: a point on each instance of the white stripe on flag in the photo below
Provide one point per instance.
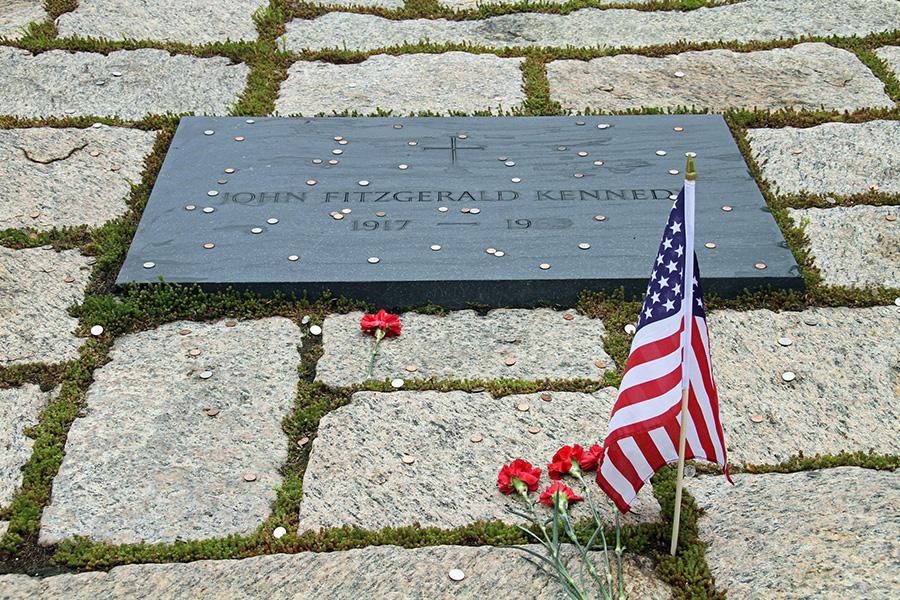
(647, 409)
(634, 454)
(663, 443)
(612, 475)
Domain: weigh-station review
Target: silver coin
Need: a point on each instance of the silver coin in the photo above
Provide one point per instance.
(584, 246)
(374, 260)
(149, 265)
(256, 230)
(272, 221)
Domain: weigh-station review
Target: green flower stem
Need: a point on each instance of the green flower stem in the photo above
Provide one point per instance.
(379, 335)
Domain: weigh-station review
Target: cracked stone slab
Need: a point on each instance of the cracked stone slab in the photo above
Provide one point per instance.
(69, 177)
(35, 297)
(856, 246)
(742, 22)
(382, 571)
(815, 534)
(807, 76)
(129, 84)
(17, 14)
(408, 84)
(891, 56)
(834, 158)
(541, 343)
(20, 408)
(188, 21)
(453, 481)
(168, 437)
(844, 396)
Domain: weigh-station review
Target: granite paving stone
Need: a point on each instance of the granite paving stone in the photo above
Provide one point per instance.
(17, 14)
(408, 84)
(890, 55)
(844, 397)
(4, 525)
(129, 84)
(462, 345)
(69, 177)
(174, 422)
(388, 572)
(35, 297)
(834, 158)
(742, 22)
(807, 76)
(815, 534)
(20, 408)
(856, 246)
(188, 21)
(453, 480)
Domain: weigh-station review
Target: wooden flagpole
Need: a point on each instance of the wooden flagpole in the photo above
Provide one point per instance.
(690, 176)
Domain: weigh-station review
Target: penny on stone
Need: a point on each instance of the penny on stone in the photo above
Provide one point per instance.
(249, 477)
(476, 439)
(890, 218)
(710, 245)
(523, 407)
(509, 362)
(760, 265)
(411, 368)
(183, 331)
(534, 430)
(69, 279)
(678, 129)
(600, 364)
(546, 397)
(209, 245)
(599, 217)
(568, 316)
(194, 352)
(408, 459)
(34, 214)
(757, 418)
(727, 208)
(380, 213)
(303, 441)
(212, 411)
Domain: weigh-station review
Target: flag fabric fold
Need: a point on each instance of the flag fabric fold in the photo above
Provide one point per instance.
(668, 354)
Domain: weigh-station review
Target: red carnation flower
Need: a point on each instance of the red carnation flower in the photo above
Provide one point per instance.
(567, 495)
(563, 461)
(388, 323)
(591, 459)
(520, 471)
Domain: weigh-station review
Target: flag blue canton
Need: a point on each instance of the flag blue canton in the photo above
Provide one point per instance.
(664, 292)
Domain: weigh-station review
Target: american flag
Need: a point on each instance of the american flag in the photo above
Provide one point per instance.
(645, 426)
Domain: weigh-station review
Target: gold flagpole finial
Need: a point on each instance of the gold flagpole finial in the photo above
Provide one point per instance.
(690, 171)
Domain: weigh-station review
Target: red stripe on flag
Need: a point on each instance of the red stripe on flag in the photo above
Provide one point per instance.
(653, 350)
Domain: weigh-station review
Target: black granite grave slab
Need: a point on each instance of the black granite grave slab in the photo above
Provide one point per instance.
(252, 204)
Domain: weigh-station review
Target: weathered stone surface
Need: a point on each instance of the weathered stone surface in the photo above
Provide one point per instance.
(52, 179)
(20, 408)
(409, 84)
(816, 534)
(463, 345)
(60, 84)
(806, 76)
(17, 14)
(373, 572)
(854, 245)
(744, 21)
(389, 4)
(148, 463)
(890, 55)
(188, 21)
(844, 396)
(453, 481)
(835, 158)
(34, 303)
(4, 525)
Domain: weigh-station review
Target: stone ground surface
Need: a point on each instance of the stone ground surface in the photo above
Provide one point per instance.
(452, 481)
(61, 84)
(188, 21)
(463, 345)
(69, 177)
(818, 534)
(834, 158)
(744, 21)
(891, 56)
(147, 461)
(382, 571)
(20, 408)
(437, 83)
(856, 246)
(846, 363)
(806, 76)
(17, 14)
(34, 300)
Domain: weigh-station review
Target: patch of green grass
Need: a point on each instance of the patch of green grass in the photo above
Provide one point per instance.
(799, 462)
